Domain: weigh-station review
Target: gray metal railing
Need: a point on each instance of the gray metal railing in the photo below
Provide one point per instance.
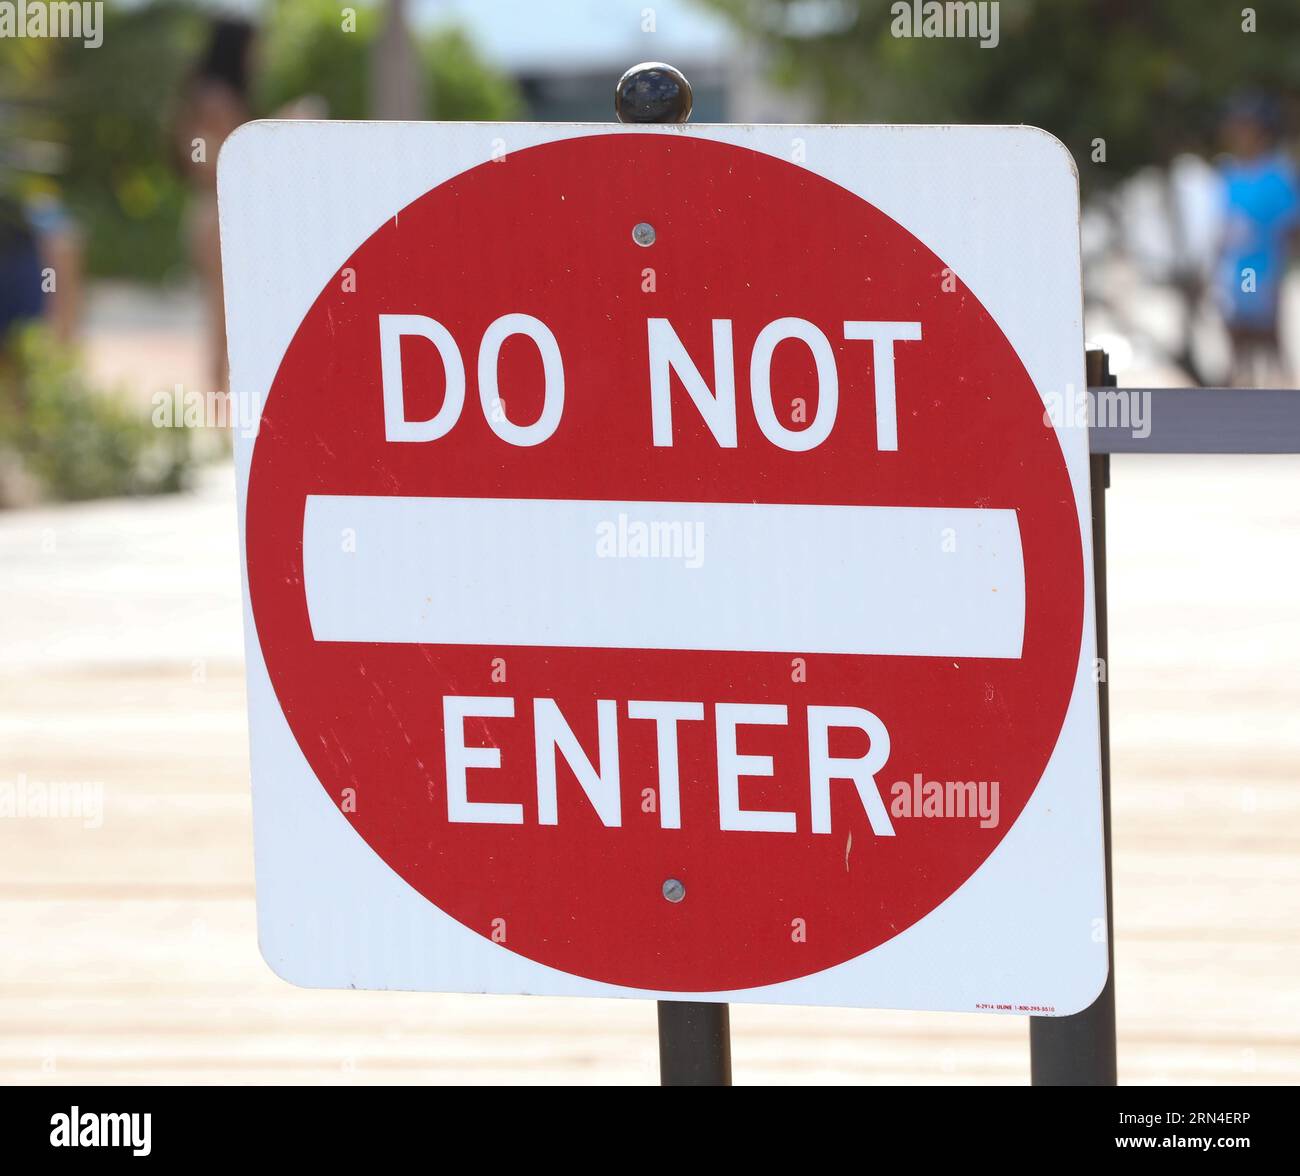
(1194, 420)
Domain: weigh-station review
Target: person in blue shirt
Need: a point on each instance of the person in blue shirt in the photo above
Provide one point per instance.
(1261, 211)
(20, 269)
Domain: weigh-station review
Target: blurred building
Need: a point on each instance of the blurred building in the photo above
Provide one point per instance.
(567, 63)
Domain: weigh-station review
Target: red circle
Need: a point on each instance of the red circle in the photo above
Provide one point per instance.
(739, 235)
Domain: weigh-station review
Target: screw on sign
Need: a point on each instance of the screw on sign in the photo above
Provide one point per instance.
(663, 577)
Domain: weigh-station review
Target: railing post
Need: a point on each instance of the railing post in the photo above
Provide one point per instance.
(1080, 1050)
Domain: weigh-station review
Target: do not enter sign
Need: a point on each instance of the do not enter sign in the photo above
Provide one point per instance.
(665, 572)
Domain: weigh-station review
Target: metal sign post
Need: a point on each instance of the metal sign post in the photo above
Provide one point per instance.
(694, 1043)
(694, 1036)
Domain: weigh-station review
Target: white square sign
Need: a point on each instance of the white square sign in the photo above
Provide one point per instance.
(667, 561)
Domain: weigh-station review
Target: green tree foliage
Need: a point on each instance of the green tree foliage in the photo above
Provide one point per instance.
(1147, 76)
(72, 440)
(307, 48)
(462, 89)
(313, 47)
(110, 109)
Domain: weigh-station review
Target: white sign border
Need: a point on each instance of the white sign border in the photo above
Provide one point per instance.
(999, 205)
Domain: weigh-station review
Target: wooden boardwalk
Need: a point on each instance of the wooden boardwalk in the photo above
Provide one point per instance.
(128, 951)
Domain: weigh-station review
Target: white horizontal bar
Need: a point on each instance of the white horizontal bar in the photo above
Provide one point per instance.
(921, 581)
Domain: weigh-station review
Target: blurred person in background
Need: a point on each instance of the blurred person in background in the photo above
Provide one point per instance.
(1261, 216)
(63, 251)
(37, 236)
(215, 99)
(21, 298)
